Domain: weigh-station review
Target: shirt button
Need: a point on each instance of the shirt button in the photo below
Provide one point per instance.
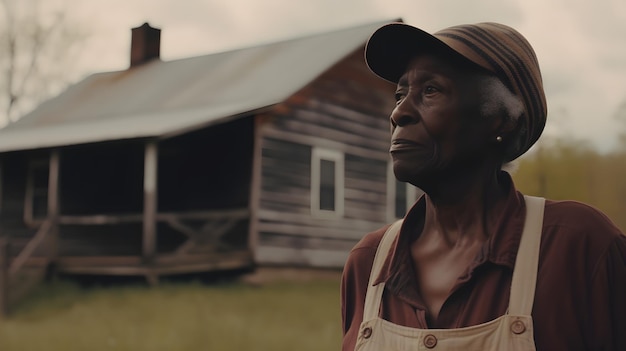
(518, 327)
(430, 341)
(367, 332)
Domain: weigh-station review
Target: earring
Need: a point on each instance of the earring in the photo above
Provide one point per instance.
(499, 139)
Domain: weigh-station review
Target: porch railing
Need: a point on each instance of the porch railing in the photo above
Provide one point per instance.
(215, 224)
(10, 268)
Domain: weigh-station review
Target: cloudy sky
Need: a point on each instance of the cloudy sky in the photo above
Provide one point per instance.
(581, 44)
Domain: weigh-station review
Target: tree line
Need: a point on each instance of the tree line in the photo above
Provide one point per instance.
(571, 170)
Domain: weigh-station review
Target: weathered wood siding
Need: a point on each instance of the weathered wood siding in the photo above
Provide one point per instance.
(346, 110)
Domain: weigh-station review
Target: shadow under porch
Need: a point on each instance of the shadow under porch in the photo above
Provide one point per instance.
(136, 207)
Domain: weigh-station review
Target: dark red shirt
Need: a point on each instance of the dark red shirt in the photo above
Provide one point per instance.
(580, 299)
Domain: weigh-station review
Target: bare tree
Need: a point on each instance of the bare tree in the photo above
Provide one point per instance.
(37, 45)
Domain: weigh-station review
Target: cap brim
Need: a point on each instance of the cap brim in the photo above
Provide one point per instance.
(391, 47)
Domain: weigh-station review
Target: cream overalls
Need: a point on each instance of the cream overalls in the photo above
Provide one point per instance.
(510, 332)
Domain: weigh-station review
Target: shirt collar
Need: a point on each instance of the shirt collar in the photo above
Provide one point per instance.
(501, 248)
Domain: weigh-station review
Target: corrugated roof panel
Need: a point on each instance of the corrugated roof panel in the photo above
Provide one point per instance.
(162, 97)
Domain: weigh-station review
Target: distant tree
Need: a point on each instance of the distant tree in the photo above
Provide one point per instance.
(572, 169)
(37, 47)
(620, 116)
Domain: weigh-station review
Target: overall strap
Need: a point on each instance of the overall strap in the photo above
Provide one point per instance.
(527, 260)
(374, 294)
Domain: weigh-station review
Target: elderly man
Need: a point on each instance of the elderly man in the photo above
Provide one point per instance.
(475, 264)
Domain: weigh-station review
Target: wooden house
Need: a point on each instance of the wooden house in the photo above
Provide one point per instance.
(275, 154)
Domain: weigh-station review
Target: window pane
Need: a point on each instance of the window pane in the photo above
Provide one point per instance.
(400, 199)
(327, 185)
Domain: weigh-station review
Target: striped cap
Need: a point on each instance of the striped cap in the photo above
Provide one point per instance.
(498, 48)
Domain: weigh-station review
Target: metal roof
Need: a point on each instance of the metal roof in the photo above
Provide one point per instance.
(162, 97)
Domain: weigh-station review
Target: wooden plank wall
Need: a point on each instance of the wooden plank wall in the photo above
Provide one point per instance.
(346, 109)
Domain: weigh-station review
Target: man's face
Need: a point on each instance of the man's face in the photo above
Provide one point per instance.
(437, 126)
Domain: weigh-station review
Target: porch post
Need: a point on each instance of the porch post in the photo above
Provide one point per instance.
(4, 277)
(150, 207)
(255, 187)
(4, 259)
(1, 187)
(53, 205)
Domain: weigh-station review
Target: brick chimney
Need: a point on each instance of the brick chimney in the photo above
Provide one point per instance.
(145, 44)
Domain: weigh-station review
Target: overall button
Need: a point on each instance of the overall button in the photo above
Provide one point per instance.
(518, 327)
(430, 341)
(367, 332)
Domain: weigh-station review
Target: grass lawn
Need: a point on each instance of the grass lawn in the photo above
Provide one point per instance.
(224, 316)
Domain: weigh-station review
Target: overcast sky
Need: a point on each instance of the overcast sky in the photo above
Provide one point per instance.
(581, 44)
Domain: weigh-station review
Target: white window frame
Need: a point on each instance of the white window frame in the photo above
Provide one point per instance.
(317, 155)
(411, 194)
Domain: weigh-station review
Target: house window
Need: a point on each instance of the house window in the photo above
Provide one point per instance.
(327, 183)
(36, 201)
(400, 196)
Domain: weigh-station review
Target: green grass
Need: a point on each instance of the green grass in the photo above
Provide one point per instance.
(177, 316)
